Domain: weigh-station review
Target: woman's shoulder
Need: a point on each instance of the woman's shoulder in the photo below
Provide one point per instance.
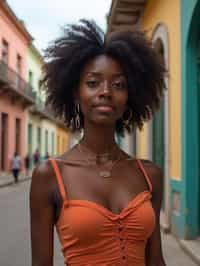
(45, 168)
(151, 166)
(67, 155)
(155, 174)
(43, 172)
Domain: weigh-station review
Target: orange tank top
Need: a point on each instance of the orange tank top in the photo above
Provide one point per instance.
(92, 235)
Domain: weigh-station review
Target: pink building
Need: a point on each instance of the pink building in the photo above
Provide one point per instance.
(15, 94)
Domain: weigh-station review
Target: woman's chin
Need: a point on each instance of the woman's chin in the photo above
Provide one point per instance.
(103, 121)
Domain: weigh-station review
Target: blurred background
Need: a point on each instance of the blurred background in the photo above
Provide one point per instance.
(30, 133)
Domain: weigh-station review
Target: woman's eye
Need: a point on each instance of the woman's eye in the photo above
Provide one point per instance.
(92, 83)
(119, 85)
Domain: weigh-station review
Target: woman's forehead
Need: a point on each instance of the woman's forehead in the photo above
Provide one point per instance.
(103, 64)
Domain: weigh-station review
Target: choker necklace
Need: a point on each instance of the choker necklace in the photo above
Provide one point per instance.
(97, 159)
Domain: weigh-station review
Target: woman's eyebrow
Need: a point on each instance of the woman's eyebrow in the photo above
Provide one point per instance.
(117, 74)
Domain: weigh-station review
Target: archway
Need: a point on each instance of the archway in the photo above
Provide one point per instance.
(158, 123)
(158, 136)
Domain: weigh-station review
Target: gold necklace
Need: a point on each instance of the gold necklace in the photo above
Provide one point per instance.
(104, 157)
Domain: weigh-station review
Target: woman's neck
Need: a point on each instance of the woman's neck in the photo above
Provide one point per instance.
(99, 139)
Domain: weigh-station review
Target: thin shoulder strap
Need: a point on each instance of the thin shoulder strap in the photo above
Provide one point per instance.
(59, 178)
(145, 174)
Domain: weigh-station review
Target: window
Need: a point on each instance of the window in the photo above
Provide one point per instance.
(30, 78)
(52, 143)
(46, 141)
(18, 70)
(4, 52)
(39, 138)
(30, 136)
(19, 64)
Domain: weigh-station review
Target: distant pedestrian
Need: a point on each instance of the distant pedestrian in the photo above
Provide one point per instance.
(36, 157)
(27, 163)
(47, 156)
(16, 166)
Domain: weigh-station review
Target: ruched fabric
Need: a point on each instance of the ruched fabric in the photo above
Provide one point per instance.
(92, 235)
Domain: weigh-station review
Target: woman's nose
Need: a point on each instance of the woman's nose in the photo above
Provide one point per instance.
(105, 89)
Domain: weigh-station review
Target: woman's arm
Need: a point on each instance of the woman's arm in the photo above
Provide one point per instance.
(42, 216)
(154, 255)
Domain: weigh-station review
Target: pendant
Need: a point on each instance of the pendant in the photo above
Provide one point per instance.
(105, 174)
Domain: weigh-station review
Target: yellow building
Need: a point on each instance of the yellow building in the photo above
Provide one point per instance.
(171, 138)
(63, 140)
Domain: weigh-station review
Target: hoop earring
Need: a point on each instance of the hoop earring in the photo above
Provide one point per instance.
(77, 116)
(126, 121)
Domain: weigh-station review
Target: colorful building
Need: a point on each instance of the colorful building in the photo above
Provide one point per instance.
(63, 140)
(15, 94)
(171, 138)
(26, 124)
(43, 129)
(34, 118)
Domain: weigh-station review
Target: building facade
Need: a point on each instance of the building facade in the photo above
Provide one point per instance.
(26, 124)
(171, 139)
(34, 118)
(63, 140)
(44, 131)
(15, 94)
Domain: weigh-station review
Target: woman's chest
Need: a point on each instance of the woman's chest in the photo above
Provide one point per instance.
(114, 192)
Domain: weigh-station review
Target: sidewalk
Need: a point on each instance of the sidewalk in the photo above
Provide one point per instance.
(7, 179)
(189, 247)
(175, 254)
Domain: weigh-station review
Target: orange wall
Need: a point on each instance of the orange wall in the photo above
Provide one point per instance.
(18, 44)
(13, 111)
(16, 40)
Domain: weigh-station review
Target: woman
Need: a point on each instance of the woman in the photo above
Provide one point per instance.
(105, 204)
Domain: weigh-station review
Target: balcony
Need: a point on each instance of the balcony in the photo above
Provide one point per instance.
(125, 15)
(44, 112)
(40, 109)
(12, 84)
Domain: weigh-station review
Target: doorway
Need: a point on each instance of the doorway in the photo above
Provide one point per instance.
(158, 126)
(4, 142)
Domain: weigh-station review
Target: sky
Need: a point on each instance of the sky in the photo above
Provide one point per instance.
(45, 18)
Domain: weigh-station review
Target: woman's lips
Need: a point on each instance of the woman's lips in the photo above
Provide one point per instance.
(104, 109)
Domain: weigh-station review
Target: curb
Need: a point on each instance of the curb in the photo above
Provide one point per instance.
(190, 247)
(6, 184)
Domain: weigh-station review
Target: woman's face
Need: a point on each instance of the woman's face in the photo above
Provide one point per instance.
(103, 91)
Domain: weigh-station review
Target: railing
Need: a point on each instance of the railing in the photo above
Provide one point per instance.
(15, 82)
(47, 112)
(41, 108)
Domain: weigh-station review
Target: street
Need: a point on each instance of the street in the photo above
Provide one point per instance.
(15, 232)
